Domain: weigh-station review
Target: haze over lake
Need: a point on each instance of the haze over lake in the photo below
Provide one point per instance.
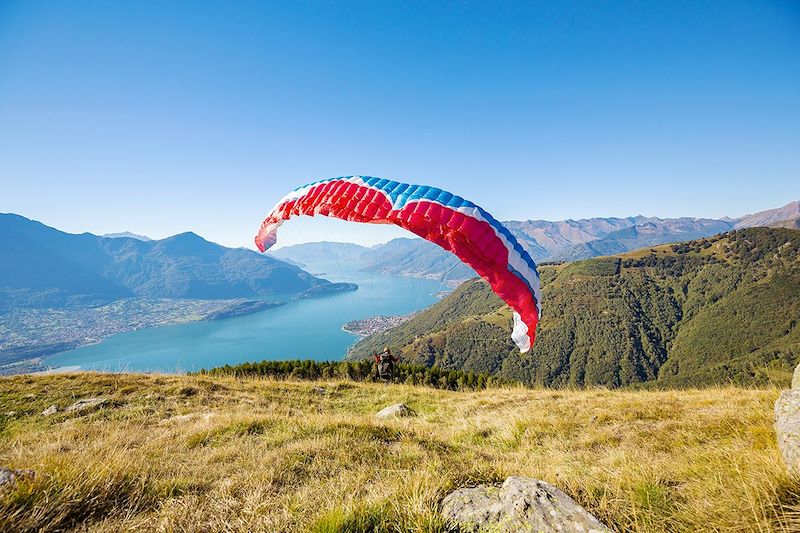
(302, 329)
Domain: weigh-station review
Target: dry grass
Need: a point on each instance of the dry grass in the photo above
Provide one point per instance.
(173, 453)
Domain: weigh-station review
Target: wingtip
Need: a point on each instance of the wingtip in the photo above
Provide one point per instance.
(260, 245)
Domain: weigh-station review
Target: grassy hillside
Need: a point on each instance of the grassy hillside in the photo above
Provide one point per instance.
(709, 311)
(196, 453)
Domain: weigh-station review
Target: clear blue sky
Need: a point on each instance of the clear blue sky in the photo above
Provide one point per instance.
(161, 117)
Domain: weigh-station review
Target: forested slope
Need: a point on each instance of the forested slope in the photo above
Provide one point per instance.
(708, 311)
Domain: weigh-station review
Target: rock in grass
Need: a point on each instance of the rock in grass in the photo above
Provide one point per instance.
(9, 476)
(53, 409)
(396, 410)
(796, 378)
(787, 428)
(87, 404)
(520, 504)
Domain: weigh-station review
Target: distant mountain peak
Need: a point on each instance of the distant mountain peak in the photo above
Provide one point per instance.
(770, 216)
(128, 235)
(186, 235)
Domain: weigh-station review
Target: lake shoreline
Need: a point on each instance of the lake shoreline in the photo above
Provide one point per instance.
(309, 328)
(32, 359)
(375, 324)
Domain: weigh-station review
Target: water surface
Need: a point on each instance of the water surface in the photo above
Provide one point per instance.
(302, 329)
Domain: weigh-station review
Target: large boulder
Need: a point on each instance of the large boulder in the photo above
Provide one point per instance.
(521, 504)
(787, 428)
(395, 410)
(796, 378)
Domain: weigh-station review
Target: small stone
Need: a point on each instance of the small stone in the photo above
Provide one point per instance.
(87, 404)
(11, 413)
(395, 410)
(319, 390)
(519, 505)
(9, 476)
(53, 409)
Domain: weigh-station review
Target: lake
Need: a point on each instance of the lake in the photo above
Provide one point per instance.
(302, 329)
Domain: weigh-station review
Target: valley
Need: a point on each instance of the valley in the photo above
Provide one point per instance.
(629, 319)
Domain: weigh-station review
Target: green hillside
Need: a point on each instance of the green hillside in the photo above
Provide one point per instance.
(716, 310)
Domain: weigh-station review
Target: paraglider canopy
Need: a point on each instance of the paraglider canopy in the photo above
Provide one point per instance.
(455, 224)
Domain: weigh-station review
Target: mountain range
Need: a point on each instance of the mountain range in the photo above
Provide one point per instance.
(127, 234)
(410, 257)
(790, 211)
(571, 240)
(546, 241)
(45, 267)
(709, 311)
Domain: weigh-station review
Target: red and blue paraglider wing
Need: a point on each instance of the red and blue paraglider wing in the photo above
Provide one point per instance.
(455, 224)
